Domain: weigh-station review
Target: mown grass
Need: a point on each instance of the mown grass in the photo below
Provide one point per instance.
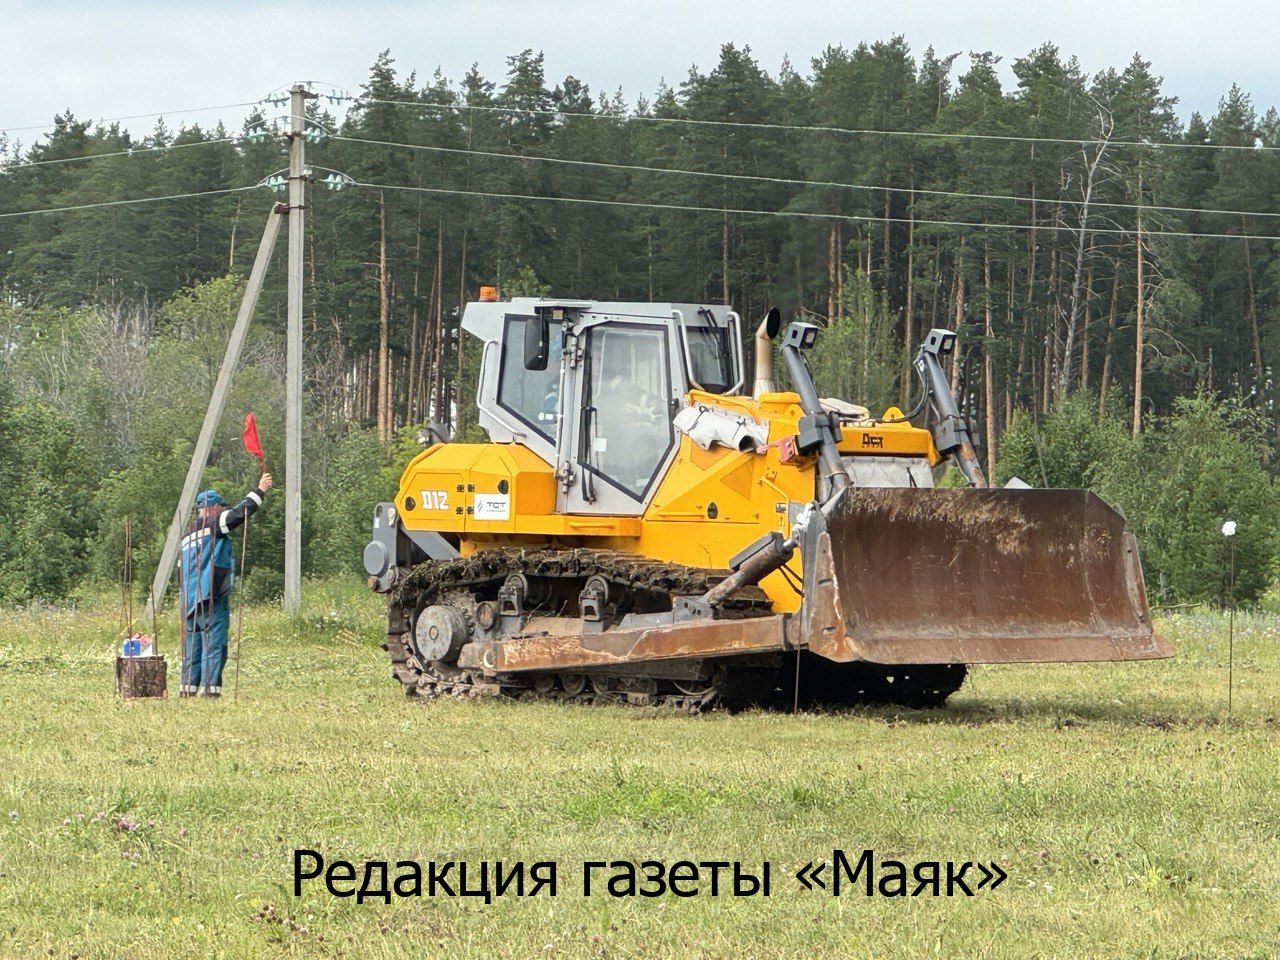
(1135, 818)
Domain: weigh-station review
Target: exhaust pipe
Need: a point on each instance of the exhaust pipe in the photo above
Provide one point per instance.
(765, 334)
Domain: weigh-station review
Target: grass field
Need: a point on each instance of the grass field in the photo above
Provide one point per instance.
(1135, 819)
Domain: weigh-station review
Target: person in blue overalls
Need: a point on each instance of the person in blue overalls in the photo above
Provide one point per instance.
(208, 572)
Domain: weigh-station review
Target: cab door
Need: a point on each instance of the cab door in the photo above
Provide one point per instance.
(621, 436)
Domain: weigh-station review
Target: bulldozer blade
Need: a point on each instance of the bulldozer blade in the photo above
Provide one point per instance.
(907, 575)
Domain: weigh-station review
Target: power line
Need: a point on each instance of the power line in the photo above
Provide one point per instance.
(790, 181)
(4, 167)
(677, 207)
(651, 118)
(136, 116)
(127, 202)
(806, 215)
(805, 128)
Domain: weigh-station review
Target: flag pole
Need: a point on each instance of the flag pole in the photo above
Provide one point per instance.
(182, 610)
(252, 445)
(244, 552)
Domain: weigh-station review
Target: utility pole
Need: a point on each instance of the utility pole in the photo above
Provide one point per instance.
(1139, 321)
(221, 388)
(293, 354)
(1138, 334)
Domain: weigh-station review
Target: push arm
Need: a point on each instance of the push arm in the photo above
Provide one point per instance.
(950, 429)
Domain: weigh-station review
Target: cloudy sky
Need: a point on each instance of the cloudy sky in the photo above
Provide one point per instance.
(115, 58)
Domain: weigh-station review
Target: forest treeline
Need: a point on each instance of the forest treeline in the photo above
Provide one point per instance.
(1098, 255)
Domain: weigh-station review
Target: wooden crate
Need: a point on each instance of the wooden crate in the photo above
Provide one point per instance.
(142, 677)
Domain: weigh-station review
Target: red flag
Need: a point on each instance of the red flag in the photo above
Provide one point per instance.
(252, 444)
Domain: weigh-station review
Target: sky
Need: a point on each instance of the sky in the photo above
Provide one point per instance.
(116, 58)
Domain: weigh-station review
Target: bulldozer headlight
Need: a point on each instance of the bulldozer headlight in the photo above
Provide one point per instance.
(376, 560)
(801, 336)
(943, 342)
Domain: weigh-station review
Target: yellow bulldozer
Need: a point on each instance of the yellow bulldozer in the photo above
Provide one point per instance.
(645, 526)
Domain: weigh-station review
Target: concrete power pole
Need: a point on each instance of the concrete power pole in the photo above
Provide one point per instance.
(293, 355)
(213, 414)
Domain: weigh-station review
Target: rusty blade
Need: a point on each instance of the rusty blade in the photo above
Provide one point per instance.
(975, 576)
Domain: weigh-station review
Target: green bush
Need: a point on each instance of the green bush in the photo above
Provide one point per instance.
(1203, 464)
(1065, 448)
(47, 516)
(1176, 484)
(363, 473)
(263, 585)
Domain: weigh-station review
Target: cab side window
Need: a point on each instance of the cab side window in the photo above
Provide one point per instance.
(533, 396)
(711, 357)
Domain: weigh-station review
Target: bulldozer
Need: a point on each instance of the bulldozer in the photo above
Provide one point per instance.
(646, 527)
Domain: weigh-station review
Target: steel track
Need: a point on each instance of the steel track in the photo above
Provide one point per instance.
(731, 682)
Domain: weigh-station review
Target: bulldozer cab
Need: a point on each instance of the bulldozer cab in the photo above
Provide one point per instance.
(592, 388)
